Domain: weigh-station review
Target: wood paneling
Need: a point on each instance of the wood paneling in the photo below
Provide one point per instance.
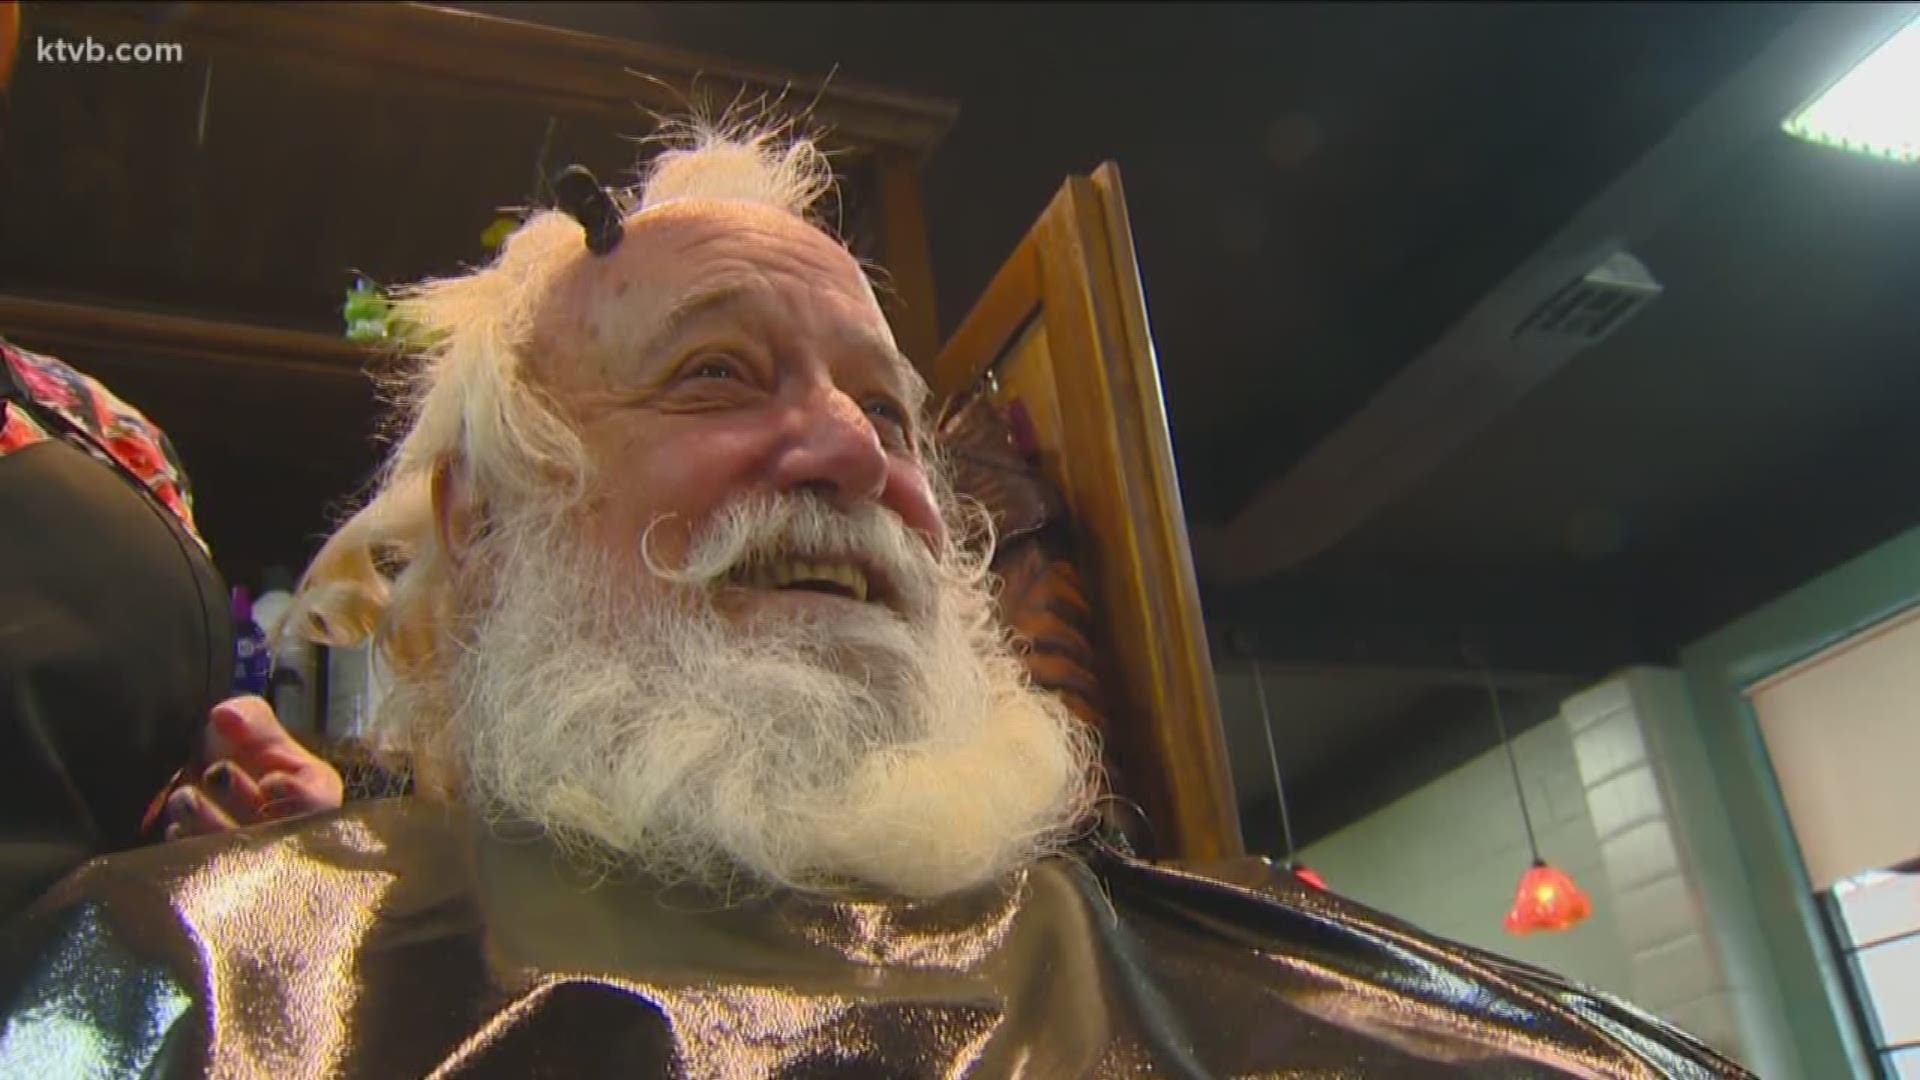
(908, 294)
(58, 326)
(298, 145)
(482, 55)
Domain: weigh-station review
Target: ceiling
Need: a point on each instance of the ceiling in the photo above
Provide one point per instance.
(1333, 204)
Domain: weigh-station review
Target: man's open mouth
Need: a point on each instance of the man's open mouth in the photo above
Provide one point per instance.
(834, 577)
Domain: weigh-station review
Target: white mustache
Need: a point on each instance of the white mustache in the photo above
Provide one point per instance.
(806, 526)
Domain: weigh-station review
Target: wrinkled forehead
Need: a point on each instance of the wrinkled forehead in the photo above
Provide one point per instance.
(704, 260)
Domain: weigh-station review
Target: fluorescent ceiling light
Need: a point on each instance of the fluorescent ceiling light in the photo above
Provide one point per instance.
(1875, 108)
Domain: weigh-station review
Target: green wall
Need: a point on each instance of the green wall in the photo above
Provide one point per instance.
(1759, 891)
(1448, 857)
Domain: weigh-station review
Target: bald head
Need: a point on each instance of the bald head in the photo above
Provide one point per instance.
(692, 262)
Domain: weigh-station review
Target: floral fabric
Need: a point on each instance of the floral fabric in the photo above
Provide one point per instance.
(101, 424)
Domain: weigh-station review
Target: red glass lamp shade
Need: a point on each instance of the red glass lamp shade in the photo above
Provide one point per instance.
(1547, 900)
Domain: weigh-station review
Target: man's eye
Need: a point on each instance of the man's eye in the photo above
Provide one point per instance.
(713, 367)
(889, 421)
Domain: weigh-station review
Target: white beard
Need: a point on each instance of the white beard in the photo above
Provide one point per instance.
(906, 752)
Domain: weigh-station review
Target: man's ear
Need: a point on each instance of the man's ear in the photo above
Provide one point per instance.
(456, 515)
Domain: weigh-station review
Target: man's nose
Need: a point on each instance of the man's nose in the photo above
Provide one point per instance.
(831, 448)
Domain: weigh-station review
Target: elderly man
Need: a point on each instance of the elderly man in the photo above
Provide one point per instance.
(725, 768)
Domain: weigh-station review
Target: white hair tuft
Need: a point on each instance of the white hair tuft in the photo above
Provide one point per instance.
(717, 161)
(467, 400)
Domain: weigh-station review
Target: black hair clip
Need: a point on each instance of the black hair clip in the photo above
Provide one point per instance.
(584, 200)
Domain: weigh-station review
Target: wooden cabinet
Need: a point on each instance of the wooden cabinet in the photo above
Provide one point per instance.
(187, 231)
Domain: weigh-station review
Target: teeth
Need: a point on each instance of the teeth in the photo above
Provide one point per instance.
(779, 573)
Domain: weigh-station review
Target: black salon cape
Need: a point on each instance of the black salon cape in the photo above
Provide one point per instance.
(390, 940)
(115, 641)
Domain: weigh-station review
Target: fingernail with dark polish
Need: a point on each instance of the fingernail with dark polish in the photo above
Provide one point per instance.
(219, 777)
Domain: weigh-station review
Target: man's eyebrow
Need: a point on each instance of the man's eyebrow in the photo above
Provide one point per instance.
(693, 306)
(905, 377)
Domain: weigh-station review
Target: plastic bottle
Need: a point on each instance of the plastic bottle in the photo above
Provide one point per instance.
(294, 690)
(252, 664)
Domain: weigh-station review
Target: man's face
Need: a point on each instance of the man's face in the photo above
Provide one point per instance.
(725, 351)
(753, 649)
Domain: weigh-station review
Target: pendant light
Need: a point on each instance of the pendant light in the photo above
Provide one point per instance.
(1547, 899)
(1294, 866)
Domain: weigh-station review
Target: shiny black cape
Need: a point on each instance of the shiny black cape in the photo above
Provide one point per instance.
(392, 940)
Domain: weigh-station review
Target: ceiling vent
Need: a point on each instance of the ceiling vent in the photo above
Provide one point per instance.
(1595, 304)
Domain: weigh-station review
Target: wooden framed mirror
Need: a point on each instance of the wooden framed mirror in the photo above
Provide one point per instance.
(1062, 331)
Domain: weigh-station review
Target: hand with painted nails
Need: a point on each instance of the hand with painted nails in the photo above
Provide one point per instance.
(259, 772)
